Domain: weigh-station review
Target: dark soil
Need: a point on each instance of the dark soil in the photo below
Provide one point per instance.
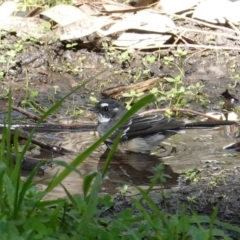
(205, 197)
(45, 66)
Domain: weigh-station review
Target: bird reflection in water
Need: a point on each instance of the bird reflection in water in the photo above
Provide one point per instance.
(233, 147)
(133, 169)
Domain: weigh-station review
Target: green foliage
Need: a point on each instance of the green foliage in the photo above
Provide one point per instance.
(31, 4)
(72, 69)
(3, 59)
(181, 53)
(1, 74)
(56, 89)
(124, 56)
(93, 98)
(191, 175)
(174, 91)
(132, 96)
(29, 99)
(235, 77)
(71, 45)
(150, 58)
(25, 214)
(179, 95)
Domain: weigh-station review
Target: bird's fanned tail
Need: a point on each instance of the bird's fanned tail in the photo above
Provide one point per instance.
(208, 124)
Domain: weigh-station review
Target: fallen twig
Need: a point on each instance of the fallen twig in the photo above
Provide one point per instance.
(46, 146)
(28, 114)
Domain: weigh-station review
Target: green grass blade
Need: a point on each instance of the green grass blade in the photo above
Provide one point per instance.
(228, 226)
(19, 157)
(10, 192)
(26, 185)
(50, 111)
(70, 197)
(87, 181)
(3, 168)
(92, 203)
(66, 165)
(147, 217)
(79, 159)
(152, 205)
(212, 221)
(49, 203)
(7, 136)
(110, 155)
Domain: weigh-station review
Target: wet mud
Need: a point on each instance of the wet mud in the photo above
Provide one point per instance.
(53, 71)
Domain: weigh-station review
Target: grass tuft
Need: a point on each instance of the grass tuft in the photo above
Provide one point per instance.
(25, 214)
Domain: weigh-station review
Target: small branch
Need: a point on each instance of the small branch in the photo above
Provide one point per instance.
(28, 114)
(204, 23)
(189, 46)
(46, 146)
(180, 29)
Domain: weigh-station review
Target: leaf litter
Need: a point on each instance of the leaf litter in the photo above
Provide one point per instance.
(147, 25)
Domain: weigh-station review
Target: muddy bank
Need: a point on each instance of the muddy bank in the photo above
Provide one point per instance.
(201, 197)
(54, 70)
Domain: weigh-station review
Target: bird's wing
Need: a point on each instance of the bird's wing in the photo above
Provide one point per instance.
(140, 126)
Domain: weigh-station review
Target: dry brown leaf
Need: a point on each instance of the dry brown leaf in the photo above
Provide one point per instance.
(145, 20)
(65, 14)
(145, 3)
(121, 8)
(233, 14)
(115, 7)
(89, 10)
(25, 27)
(7, 9)
(137, 40)
(218, 11)
(174, 6)
(82, 28)
(116, 92)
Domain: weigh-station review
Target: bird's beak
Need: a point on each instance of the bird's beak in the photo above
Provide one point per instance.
(93, 109)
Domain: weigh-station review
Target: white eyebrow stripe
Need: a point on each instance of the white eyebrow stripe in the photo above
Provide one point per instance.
(104, 104)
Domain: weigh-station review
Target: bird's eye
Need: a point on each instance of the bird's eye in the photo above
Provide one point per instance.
(105, 109)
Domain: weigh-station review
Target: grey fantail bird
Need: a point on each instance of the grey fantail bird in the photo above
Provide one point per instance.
(141, 133)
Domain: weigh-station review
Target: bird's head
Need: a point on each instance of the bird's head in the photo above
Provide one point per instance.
(109, 109)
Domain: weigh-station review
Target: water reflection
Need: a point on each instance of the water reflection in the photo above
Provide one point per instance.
(201, 149)
(134, 169)
(233, 147)
(196, 148)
